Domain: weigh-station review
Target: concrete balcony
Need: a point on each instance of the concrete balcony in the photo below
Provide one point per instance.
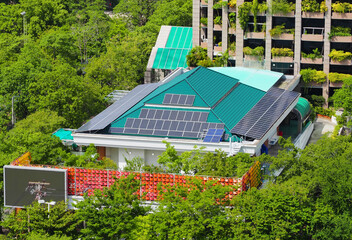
(253, 58)
(336, 84)
(342, 39)
(346, 62)
(312, 61)
(346, 16)
(255, 35)
(312, 15)
(284, 36)
(204, 44)
(217, 27)
(232, 31)
(232, 9)
(217, 49)
(290, 14)
(282, 59)
(313, 37)
(204, 3)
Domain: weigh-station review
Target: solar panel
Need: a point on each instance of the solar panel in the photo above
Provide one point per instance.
(265, 113)
(143, 113)
(121, 106)
(166, 114)
(129, 122)
(158, 114)
(190, 100)
(188, 116)
(167, 99)
(116, 130)
(213, 135)
(179, 99)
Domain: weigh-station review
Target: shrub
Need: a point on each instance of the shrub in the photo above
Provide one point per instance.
(340, 31)
(282, 6)
(204, 21)
(341, 7)
(196, 55)
(309, 75)
(258, 51)
(338, 77)
(218, 20)
(316, 54)
(317, 100)
(243, 14)
(280, 29)
(339, 55)
(232, 3)
(281, 52)
(310, 6)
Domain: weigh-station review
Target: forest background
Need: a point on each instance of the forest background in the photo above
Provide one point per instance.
(61, 59)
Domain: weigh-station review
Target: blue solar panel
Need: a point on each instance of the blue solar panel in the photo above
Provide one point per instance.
(179, 99)
(214, 135)
(265, 113)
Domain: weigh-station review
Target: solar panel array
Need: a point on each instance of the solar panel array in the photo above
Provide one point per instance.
(168, 123)
(214, 135)
(179, 99)
(265, 113)
(118, 108)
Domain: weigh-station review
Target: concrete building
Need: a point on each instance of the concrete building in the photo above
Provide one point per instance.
(232, 109)
(217, 28)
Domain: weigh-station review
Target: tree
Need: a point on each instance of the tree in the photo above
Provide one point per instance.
(112, 213)
(61, 90)
(36, 218)
(192, 212)
(343, 98)
(136, 11)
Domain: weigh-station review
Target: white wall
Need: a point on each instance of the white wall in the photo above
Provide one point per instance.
(151, 157)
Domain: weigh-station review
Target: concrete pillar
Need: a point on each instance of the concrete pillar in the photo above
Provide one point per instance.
(268, 41)
(196, 23)
(210, 29)
(225, 27)
(298, 36)
(326, 51)
(239, 38)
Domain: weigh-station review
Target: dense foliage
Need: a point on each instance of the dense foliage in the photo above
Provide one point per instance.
(309, 75)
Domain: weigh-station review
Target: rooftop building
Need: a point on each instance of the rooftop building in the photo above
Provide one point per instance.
(233, 109)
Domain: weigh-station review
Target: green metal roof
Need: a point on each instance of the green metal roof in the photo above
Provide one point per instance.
(237, 104)
(170, 58)
(180, 37)
(63, 134)
(178, 45)
(303, 106)
(230, 99)
(210, 85)
(257, 78)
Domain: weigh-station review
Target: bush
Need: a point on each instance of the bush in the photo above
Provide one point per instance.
(316, 54)
(339, 55)
(204, 21)
(341, 7)
(258, 51)
(309, 75)
(280, 29)
(338, 77)
(324, 111)
(340, 31)
(317, 100)
(313, 6)
(282, 6)
(195, 55)
(218, 20)
(281, 52)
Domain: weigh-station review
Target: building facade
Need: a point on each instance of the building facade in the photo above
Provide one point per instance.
(217, 27)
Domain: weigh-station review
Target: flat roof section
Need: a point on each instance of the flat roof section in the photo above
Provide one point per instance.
(257, 78)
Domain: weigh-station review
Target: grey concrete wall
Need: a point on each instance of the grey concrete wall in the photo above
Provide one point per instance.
(225, 28)
(268, 41)
(196, 23)
(239, 38)
(326, 59)
(210, 29)
(298, 34)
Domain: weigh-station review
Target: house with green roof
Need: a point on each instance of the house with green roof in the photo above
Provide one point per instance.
(220, 108)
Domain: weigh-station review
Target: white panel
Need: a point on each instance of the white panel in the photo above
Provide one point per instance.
(151, 157)
(129, 154)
